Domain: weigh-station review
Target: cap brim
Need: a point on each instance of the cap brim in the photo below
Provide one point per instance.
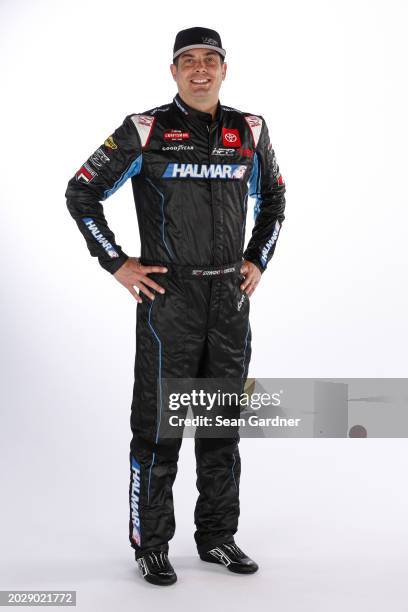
(188, 47)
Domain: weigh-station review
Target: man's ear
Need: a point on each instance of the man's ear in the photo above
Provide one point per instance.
(224, 66)
(173, 70)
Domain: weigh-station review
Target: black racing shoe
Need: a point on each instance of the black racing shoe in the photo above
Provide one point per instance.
(156, 568)
(232, 557)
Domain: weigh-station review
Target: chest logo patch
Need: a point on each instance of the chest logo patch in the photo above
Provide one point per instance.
(230, 137)
(176, 135)
(205, 171)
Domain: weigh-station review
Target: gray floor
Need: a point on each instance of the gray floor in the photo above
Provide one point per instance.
(284, 583)
(325, 519)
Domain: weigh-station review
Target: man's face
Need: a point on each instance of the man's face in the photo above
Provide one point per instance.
(199, 74)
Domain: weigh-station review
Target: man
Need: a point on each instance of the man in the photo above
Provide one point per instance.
(191, 162)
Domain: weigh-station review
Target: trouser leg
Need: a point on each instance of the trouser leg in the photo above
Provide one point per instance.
(227, 355)
(160, 353)
(218, 475)
(152, 524)
(169, 342)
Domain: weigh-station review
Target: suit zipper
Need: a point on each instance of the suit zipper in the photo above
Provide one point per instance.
(212, 199)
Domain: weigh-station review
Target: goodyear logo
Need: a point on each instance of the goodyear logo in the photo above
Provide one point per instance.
(205, 171)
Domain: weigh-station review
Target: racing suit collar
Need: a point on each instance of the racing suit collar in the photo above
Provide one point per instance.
(187, 110)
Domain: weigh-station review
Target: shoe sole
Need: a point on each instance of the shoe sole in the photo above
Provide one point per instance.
(230, 568)
(151, 580)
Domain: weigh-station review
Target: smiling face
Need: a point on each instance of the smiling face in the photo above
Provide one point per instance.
(199, 74)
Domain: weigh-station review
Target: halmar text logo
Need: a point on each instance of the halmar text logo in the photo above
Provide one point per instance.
(270, 243)
(205, 171)
(134, 501)
(96, 233)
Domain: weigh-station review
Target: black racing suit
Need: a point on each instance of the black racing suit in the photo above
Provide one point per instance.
(191, 177)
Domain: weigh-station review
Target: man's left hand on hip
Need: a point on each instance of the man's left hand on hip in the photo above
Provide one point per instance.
(252, 277)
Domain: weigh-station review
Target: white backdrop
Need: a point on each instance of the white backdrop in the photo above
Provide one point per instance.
(329, 78)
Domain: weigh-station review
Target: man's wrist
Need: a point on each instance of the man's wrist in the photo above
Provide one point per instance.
(116, 263)
(255, 262)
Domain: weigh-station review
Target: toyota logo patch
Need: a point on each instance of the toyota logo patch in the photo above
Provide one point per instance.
(230, 138)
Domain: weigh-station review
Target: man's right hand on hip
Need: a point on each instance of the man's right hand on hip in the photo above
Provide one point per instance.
(133, 274)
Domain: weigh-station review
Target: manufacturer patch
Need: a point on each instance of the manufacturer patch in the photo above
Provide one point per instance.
(230, 137)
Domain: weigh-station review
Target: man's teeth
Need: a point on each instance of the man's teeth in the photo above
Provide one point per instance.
(200, 81)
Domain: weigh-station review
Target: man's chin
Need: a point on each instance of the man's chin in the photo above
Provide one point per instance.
(201, 92)
(202, 89)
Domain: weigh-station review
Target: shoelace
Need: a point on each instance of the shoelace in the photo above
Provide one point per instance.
(233, 548)
(160, 559)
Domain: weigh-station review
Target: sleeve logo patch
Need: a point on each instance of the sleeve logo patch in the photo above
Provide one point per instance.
(110, 143)
(97, 234)
(99, 158)
(85, 174)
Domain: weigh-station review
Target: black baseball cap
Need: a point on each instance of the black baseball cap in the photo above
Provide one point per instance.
(195, 38)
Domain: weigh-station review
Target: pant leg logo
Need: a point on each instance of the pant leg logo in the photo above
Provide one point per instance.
(134, 501)
(241, 301)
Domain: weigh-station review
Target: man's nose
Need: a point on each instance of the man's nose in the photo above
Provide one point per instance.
(200, 65)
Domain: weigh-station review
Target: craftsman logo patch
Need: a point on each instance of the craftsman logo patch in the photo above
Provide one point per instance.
(205, 171)
(176, 135)
(230, 137)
